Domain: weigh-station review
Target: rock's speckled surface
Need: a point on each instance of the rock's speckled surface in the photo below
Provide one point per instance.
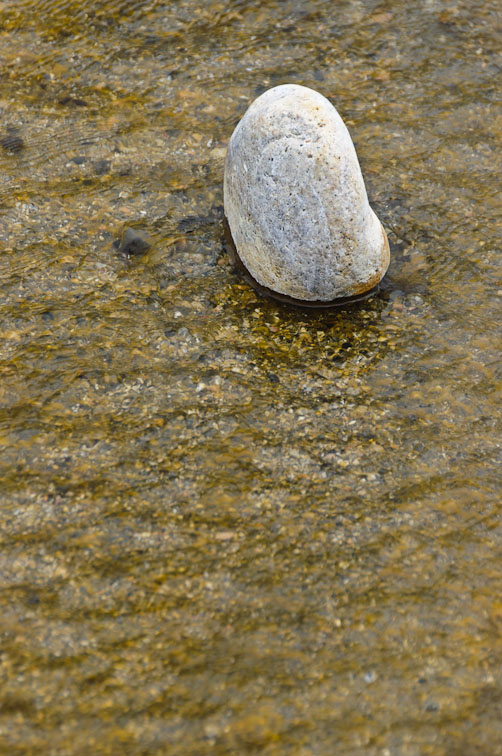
(295, 199)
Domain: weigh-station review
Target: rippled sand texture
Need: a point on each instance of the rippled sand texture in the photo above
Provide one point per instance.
(228, 526)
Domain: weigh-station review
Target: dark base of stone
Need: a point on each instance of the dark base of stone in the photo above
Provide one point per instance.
(270, 294)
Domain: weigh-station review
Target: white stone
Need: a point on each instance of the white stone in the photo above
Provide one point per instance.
(295, 200)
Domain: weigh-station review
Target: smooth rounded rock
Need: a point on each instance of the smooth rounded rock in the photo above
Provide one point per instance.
(133, 243)
(296, 203)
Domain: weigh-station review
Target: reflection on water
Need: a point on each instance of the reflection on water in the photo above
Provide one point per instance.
(229, 526)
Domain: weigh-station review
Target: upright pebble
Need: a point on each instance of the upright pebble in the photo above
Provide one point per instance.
(296, 204)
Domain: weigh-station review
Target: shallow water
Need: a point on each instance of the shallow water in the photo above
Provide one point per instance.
(230, 526)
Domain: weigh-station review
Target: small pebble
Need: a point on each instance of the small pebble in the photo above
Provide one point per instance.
(191, 223)
(370, 677)
(79, 103)
(432, 706)
(133, 243)
(12, 143)
(101, 167)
